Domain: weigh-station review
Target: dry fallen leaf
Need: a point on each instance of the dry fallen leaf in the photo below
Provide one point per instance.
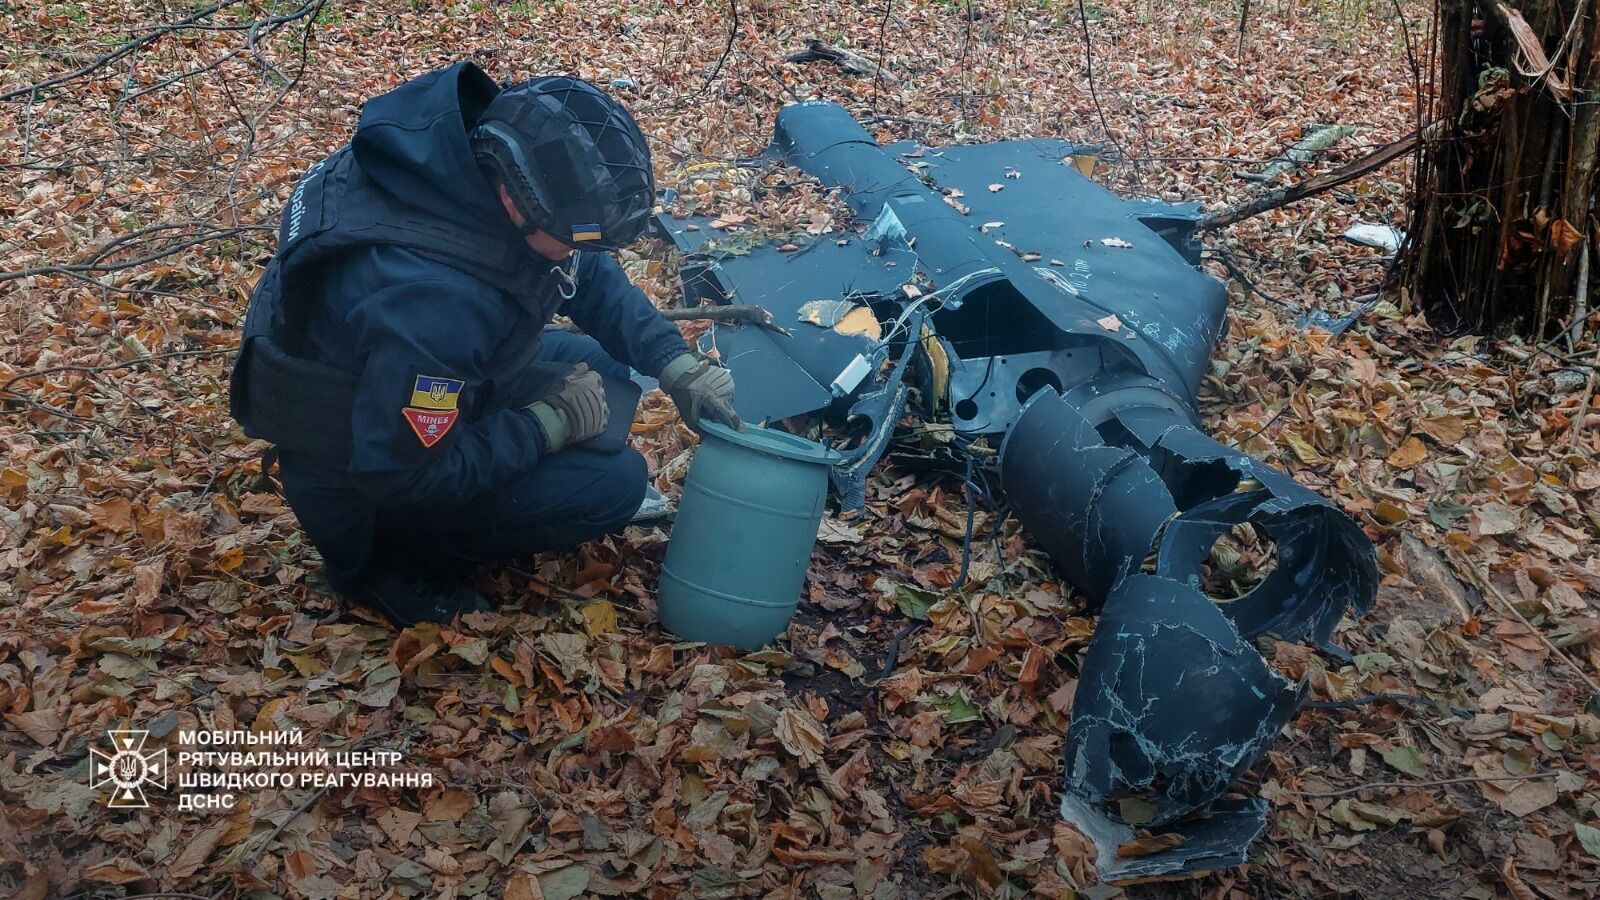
(599, 617)
(1146, 844)
(1408, 454)
(522, 886)
(196, 851)
(801, 735)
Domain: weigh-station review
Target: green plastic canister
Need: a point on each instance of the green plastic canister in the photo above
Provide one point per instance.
(742, 539)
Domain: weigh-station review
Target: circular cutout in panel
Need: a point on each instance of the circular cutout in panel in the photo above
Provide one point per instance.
(1035, 380)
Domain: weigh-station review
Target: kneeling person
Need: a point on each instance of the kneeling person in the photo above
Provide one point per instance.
(395, 348)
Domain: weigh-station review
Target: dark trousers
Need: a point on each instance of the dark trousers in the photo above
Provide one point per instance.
(572, 496)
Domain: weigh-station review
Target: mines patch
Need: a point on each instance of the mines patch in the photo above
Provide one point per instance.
(431, 425)
(432, 392)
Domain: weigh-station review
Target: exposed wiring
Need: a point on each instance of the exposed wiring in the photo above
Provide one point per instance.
(905, 314)
(998, 511)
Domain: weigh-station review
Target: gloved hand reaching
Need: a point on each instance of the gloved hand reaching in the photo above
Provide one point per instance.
(701, 391)
(573, 409)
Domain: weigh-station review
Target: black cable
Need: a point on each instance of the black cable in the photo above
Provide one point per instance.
(893, 657)
(1001, 513)
(987, 371)
(999, 510)
(966, 537)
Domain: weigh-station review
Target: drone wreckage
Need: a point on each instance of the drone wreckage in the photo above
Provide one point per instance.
(1075, 327)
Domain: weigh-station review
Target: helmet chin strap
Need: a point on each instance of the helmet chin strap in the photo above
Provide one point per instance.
(565, 271)
(566, 276)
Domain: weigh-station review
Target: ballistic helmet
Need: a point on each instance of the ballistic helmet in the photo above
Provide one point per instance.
(573, 160)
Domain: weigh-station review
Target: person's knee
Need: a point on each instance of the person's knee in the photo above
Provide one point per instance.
(619, 493)
(564, 346)
(577, 496)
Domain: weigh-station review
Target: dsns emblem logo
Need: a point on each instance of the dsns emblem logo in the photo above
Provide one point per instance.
(127, 769)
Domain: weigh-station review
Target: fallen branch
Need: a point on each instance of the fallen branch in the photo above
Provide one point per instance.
(738, 315)
(848, 60)
(1390, 697)
(1311, 186)
(745, 315)
(1305, 151)
(883, 51)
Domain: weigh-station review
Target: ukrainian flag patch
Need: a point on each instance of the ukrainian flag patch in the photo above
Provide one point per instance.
(586, 232)
(433, 392)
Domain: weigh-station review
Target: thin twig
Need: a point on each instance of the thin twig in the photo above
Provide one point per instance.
(1094, 93)
(313, 8)
(1244, 19)
(1576, 432)
(883, 52)
(1494, 593)
(52, 370)
(162, 895)
(94, 263)
(1438, 782)
(892, 659)
(1221, 255)
(298, 811)
(727, 50)
(106, 59)
(304, 805)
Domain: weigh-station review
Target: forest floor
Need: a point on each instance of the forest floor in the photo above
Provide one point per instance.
(151, 578)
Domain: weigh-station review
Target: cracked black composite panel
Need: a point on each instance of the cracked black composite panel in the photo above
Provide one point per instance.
(1173, 706)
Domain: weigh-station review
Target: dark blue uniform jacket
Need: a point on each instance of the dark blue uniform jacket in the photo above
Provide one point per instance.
(398, 266)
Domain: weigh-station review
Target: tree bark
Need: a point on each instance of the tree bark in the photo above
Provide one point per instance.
(1505, 186)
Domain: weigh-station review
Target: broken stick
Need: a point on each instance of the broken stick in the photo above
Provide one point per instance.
(748, 314)
(848, 60)
(743, 314)
(1305, 151)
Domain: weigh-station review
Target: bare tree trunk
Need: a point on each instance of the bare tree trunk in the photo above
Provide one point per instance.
(1506, 184)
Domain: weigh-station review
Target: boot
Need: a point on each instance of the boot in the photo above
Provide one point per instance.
(408, 601)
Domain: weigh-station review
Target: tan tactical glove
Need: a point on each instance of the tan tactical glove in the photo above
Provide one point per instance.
(573, 409)
(701, 391)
